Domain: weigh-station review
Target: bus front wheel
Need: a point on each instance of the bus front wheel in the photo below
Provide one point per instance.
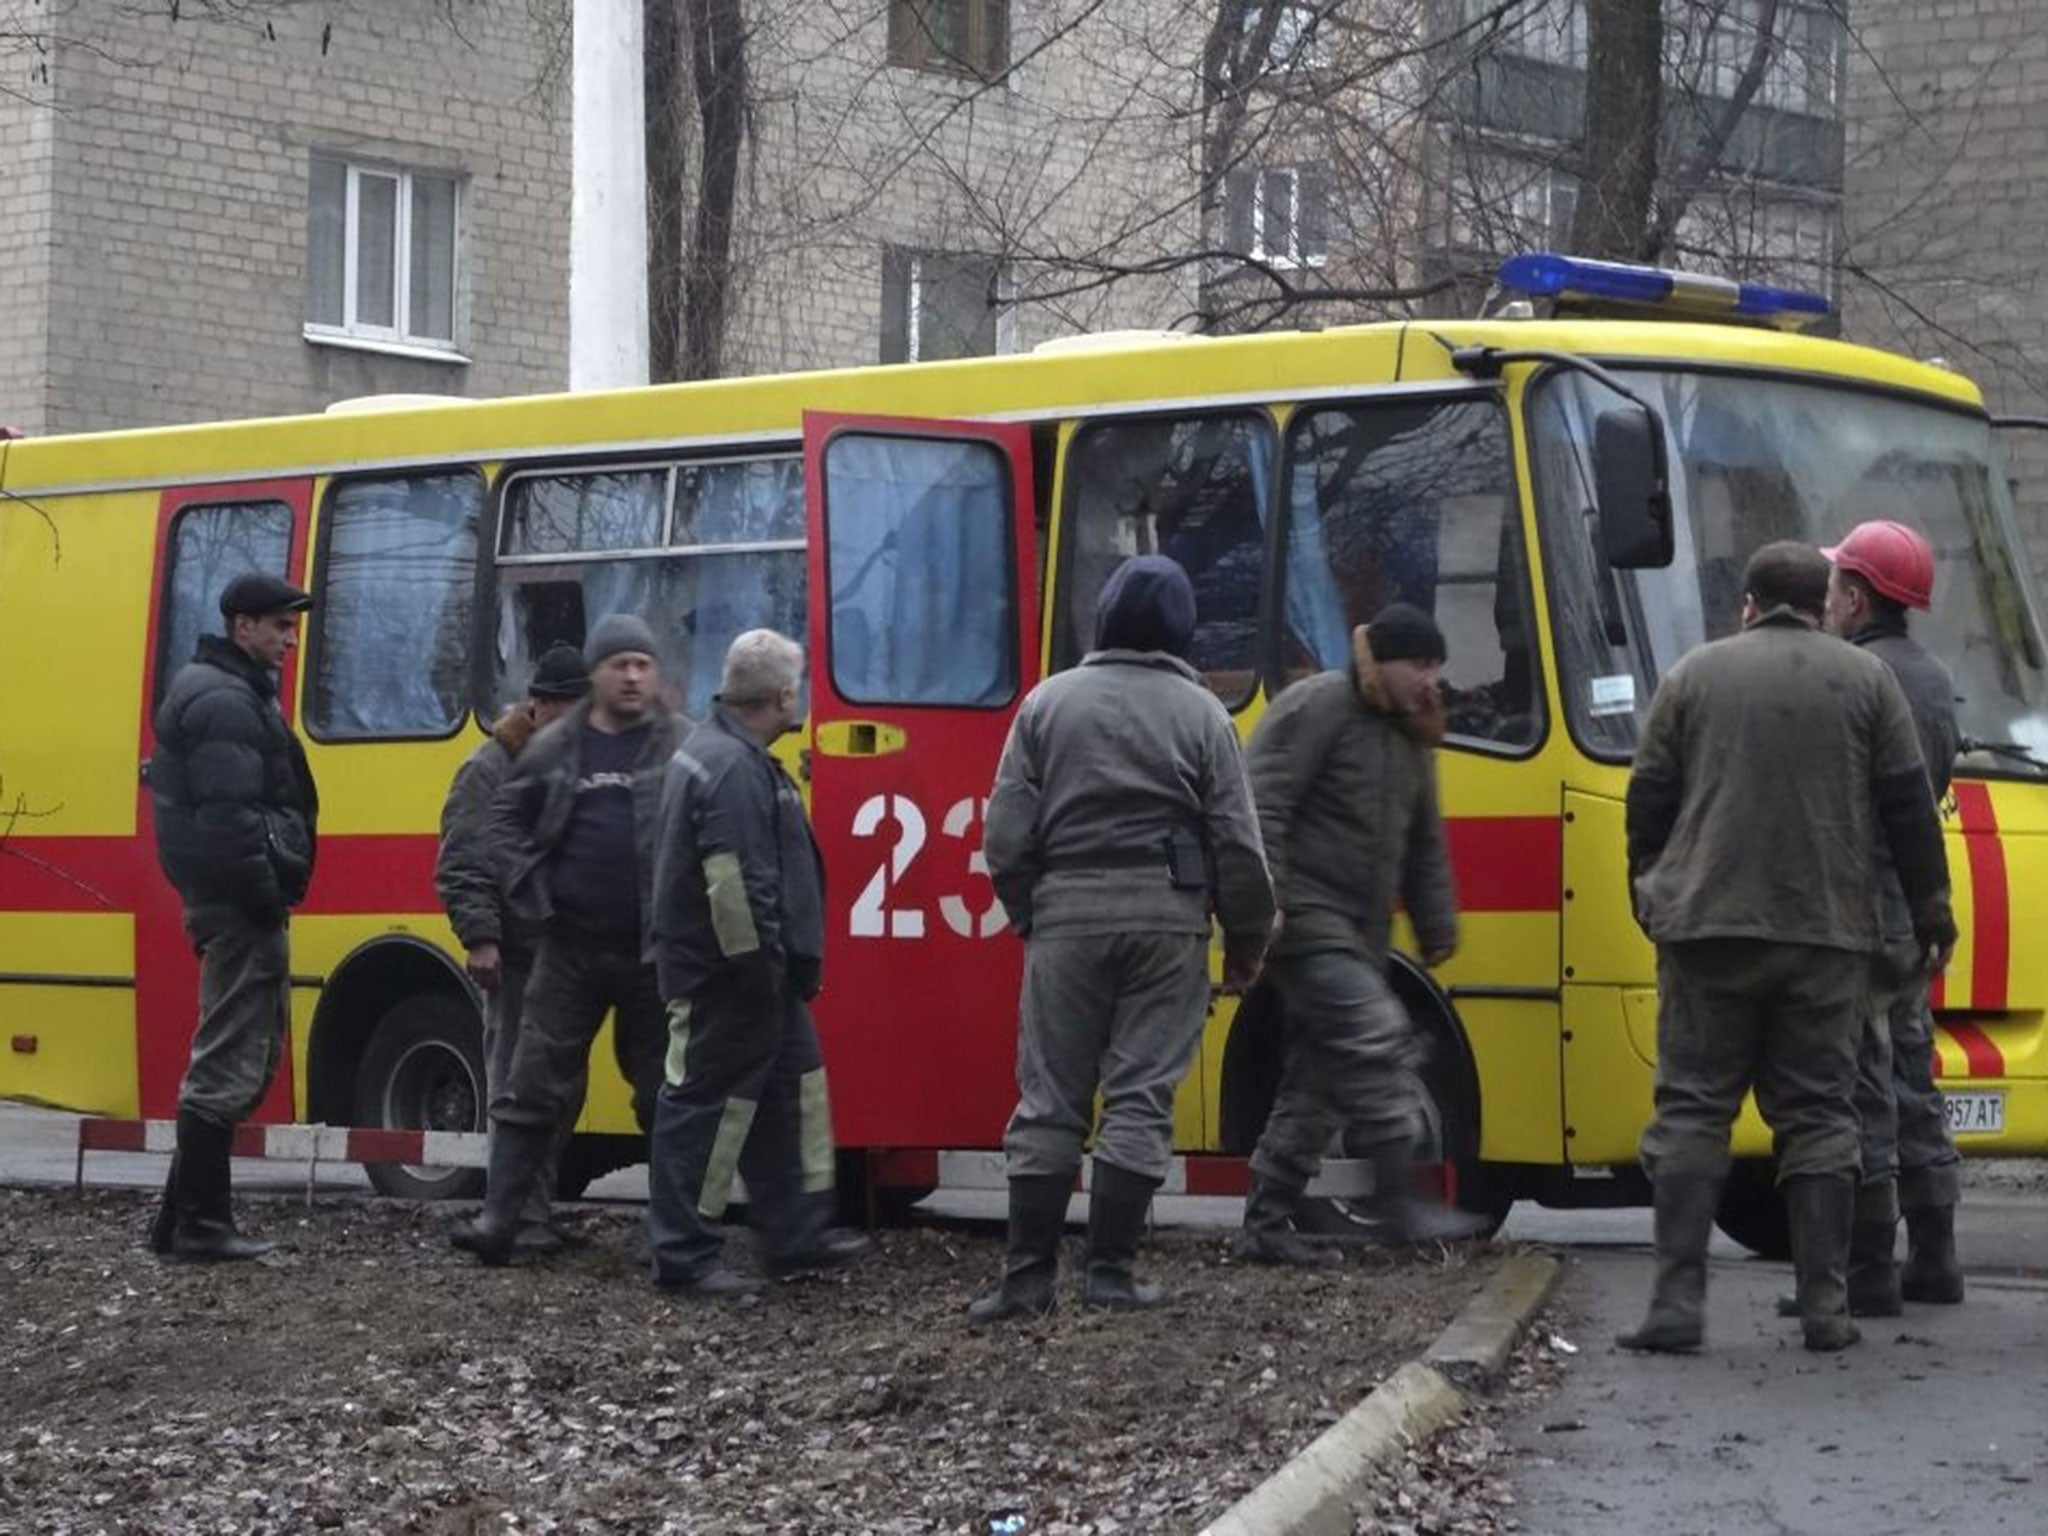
(1753, 1212)
(423, 1070)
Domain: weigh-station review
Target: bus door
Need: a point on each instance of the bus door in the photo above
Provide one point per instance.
(205, 537)
(923, 636)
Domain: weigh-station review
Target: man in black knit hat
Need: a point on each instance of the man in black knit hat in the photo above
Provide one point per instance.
(1343, 768)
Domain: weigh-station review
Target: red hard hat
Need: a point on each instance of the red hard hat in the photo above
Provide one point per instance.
(1892, 558)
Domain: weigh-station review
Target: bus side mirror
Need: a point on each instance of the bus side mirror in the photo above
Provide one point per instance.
(1632, 490)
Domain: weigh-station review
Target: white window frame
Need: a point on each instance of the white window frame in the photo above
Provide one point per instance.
(1295, 259)
(397, 337)
(913, 302)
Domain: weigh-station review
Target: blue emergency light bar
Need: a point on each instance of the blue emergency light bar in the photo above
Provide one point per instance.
(1544, 275)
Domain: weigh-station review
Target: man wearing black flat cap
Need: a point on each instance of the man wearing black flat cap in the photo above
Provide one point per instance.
(1343, 768)
(499, 948)
(235, 826)
(1120, 821)
(573, 828)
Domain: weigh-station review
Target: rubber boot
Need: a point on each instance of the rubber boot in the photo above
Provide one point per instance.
(1269, 1236)
(205, 1227)
(165, 1225)
(1822, 1212)
(1676, 1321)
(1932, 1273)
(1118, 1203)
(518, 1153)
(1038, 1212)
(1406, 1217)
(1874, 1281)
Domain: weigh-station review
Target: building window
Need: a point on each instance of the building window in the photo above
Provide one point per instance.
(1300, 41)
(958, 37)
(381, 252)
(937, 305)
(1503, 203)
(1553, 31)
(1279, 215)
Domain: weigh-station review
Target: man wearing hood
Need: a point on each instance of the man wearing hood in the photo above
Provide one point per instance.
(1120, 818)
(1343, 767)
(498, 949)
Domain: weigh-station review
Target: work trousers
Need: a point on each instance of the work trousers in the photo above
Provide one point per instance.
(1118, 1012)
(575, 981)
(503, 1009)
(1785, 1020)
(1905, 1125)
(1349, 1066)
(245, 1000)
(744, 1094)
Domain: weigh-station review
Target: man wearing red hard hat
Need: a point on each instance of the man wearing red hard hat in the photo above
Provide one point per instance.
(1910, 1162)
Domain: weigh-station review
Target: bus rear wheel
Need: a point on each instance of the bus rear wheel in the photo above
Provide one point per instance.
(1753, 1212)
(423, 1070)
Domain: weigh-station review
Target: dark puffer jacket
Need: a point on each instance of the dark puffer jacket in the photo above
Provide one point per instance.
(466, 867)
(236, 811)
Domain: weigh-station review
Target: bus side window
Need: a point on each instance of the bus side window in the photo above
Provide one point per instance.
(1414, 502)
(209, 545)
(388, 655)
(700, 549)
(1192, 487)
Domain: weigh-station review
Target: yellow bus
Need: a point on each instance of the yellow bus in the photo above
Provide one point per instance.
(1572, 496)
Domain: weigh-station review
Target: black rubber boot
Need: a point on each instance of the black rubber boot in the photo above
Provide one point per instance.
(1118, 1202)
(518, 1153)
(1874, 1284)
(1676, 1321)
(165, 1225)
(1269, 1236)
(205, 1227)
(1932, 1272)
(1038, 1212)
(1822, 1212)
(1405, 1217)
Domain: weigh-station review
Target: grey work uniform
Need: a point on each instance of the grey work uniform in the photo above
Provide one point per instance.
(1769, 766)
(1348, 803)
(738, 936)
(235, 828)
(1107, 766)
(574, 827)
(468, 872)
(1905, 1123)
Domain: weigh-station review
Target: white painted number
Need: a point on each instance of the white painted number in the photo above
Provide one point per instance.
(876, 916)
(871, 917)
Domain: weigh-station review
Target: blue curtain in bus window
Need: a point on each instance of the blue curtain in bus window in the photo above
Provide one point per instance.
(210, 546)
(391, 641)
(920, 558)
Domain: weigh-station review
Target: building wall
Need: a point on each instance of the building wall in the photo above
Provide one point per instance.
(26, 213)
(1947, 204)
(177, 242)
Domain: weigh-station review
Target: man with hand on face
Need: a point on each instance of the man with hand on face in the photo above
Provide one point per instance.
(1343, 768)
(499, 950)
(574, 827)
(737, 931)
(235, 827)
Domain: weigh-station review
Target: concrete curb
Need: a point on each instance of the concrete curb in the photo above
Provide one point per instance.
(1316, 1492)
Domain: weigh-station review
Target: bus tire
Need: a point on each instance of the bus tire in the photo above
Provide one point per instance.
(423, 1069)
(1752, 1211)
(862, 1203)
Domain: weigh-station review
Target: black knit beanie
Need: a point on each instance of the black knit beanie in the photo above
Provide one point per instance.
(1403, 632)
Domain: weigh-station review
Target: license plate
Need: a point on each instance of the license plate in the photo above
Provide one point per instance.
(1975, 1114)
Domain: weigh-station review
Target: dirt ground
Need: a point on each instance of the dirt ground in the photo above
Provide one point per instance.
(368, 1378)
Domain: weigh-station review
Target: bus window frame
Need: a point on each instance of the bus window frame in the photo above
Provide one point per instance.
(1274, 598)
(316, 631)
(904, 431)
(491, 559)
(1055, 621)
(167, 665)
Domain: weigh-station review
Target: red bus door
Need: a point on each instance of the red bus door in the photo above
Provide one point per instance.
(923, 638)
(206, 536)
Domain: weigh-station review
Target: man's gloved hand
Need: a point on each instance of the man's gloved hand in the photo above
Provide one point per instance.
(1934, 930)
(806, 976)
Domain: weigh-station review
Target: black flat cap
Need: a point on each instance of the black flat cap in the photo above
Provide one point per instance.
(259, 592)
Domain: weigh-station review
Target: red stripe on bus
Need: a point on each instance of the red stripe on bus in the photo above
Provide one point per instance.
(1991, 900)
(1981, 1055)
(1507, 863)
(356, 874)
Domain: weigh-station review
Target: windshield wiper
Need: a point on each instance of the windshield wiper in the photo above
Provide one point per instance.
(2011, 749)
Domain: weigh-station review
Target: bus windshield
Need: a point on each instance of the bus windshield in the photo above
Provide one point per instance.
(1754, 459)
